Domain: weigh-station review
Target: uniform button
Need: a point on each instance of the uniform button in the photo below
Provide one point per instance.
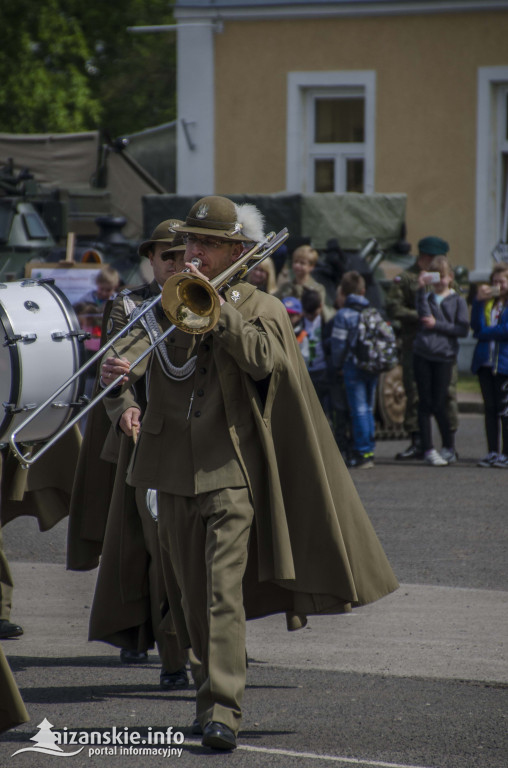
(171, 340)
(202, 370)
(197, 414)
(222, 328)
(200, 393)
(206, 347)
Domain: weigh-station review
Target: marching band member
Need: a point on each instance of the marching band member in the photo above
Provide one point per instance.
(257, 512)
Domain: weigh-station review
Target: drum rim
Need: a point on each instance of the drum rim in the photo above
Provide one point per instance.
(16, 380)
(15, 369)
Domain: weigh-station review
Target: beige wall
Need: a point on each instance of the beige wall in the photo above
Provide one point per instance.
(426, 97)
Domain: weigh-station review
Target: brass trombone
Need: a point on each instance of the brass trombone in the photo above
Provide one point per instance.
(190, 302)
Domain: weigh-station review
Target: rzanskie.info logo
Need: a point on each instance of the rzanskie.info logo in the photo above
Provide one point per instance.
(125, 741)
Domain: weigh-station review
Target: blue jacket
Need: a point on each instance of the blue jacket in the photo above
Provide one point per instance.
(345, 328)
(487, 333)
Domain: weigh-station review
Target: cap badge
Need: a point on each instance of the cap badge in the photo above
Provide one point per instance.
(235, 296)
(202, 211)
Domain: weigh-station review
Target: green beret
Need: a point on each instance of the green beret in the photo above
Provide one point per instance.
(433, 246)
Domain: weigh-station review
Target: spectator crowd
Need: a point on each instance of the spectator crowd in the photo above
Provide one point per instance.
(429, 314)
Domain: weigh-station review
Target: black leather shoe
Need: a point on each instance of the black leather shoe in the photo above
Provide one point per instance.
(218, 736)
(8, 629)
(195, 728)
(132, 657)
(170, 681)
(413, 451)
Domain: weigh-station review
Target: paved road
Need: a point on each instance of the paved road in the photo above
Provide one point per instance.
(418, 680)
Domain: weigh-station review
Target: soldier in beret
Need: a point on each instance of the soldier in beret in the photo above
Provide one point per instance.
(257, 512)
(401, 308)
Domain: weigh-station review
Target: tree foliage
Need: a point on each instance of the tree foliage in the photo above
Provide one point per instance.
(69, 65)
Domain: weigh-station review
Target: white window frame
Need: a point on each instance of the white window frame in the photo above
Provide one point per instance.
(301, 88)
(339, 152)
(492, 81)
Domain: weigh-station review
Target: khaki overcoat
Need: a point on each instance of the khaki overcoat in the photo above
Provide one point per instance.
(313, 548)
(44, 490)
(104, 522)
(12, 709)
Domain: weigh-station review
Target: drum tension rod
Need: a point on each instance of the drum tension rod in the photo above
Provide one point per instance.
(11, 408)
(79, 335)
(12, 340)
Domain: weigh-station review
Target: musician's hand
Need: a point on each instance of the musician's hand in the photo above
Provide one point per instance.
(195, 271)
(113, 367)
(129, 421)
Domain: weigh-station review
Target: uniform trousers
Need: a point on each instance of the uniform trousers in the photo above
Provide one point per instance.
(172, 656)
(207, 538)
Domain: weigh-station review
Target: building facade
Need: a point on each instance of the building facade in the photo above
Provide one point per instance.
(362, 96)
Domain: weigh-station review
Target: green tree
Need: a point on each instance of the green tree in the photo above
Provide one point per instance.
(43, 82)
(69, 65)
(134, 75)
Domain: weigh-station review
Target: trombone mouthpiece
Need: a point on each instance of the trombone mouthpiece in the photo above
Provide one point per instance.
(196, 262)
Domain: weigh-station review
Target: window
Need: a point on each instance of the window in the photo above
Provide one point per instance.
(331, 132)
(491, 170)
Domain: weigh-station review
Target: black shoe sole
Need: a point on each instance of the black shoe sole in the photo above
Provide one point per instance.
(216, 742)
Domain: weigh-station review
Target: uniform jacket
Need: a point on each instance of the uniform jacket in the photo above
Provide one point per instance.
(312, 548)
(452, 322)
(401, 304)
(486, 334)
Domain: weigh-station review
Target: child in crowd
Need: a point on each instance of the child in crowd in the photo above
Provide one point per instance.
(303, 261)
(295, 312)
(90, 320)
(315, 347)
(360, 385)
(106, 286)
(443, 318)
(489, 321)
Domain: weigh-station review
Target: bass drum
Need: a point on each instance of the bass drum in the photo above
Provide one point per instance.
(42, 348)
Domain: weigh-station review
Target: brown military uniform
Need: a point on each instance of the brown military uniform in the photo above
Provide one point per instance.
(43, 491)
(244, 440)
(130, 607)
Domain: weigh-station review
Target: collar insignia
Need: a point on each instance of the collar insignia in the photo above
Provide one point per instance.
(202, 211)
(235, 296)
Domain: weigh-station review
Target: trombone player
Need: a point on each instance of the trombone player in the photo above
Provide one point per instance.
(257, 513)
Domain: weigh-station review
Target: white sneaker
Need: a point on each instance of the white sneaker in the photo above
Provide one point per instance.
(433, 458)
(488, 460)
(502, 462)
(449, 455)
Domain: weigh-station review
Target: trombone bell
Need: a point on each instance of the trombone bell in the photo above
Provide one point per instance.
(190, 303)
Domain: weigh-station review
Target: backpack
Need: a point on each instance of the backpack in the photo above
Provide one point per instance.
(376, 346)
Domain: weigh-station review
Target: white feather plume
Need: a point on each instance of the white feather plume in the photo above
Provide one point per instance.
(252, 221)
